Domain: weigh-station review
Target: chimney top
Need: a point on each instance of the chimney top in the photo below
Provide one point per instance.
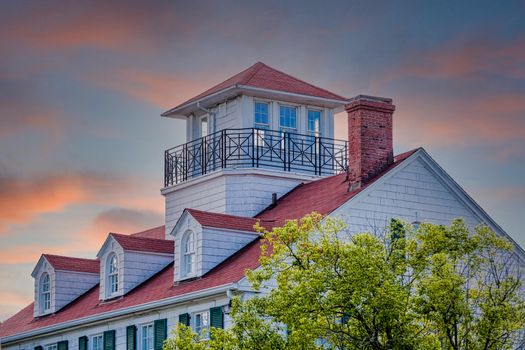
(370, 143)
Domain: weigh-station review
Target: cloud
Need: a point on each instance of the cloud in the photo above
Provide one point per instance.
(114, 25)
(124, 220)
(22, 199)
(483, 119)
(12, 302)
(160, 89)
(464, 58)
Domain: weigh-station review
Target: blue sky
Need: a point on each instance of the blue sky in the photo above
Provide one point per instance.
(83, 84)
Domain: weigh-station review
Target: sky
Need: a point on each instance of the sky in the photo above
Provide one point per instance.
(83, 84)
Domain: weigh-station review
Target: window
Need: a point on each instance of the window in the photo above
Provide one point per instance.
(51, 347)
(97, 342)
(314, 121)
(204, 127)
(146, 337)
(45, 293)
(262, 117)
(188, 254)
(112, 274)
(201, 324)
(287, 117)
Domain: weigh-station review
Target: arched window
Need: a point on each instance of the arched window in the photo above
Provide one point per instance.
(112, 274)
(188, 254)
(45, 293)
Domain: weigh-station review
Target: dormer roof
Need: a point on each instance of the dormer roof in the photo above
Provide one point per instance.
(142, 244)
(67, 263)
(262, 80)
(225, 221)
(158, 232)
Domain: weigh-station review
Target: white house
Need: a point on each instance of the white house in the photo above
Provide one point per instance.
(259, 147)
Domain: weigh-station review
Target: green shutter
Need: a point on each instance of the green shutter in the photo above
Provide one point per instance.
(83, 343)
(216, 317)
(160, 333)
(131, 338)
(184, 319)
(62, 345)
(109, 340)
(39, 347)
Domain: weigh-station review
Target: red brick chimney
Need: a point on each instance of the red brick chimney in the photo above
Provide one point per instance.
(369, 137)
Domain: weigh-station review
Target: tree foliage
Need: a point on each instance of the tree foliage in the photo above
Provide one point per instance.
(434, 287)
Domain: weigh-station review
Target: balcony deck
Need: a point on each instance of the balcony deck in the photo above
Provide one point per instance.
(255, 148)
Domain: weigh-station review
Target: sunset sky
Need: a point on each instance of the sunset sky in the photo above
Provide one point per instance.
(83, 84)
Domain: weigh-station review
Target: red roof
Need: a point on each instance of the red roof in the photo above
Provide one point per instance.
(158, 287)
(156, 232)
(142, 244)
(323, 196)
(261, 76)
(67, 263)
(226, 221)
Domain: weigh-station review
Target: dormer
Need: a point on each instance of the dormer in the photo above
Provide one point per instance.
(261, 130)
(126, 261)
(203, 240)
(59, 280)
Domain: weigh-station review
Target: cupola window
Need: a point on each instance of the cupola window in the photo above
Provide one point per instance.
(314, 122)
(288, 117)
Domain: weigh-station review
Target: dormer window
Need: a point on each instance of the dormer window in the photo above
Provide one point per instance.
(188, 254)
(45, 294)
(112, 274)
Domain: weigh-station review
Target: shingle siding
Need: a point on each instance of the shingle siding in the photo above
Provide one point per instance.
(413, 189)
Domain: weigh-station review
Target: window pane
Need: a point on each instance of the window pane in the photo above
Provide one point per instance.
(261, 113)
(314, 121)
(288, 117)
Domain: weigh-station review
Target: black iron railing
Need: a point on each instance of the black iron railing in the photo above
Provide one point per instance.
(255, 148)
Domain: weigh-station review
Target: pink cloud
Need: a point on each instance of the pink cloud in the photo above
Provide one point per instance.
(21, 200)
(463, 59)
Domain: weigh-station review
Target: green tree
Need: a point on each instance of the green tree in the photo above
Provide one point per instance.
(434, 287)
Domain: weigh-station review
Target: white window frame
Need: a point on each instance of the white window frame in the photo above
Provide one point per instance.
(92, 342)
(258, 124)
(204, 121)
(260, 133)
(202, 330)
(314, 132)
(288, 128)
(188, 269)
(151, 336)
(44, 295)
(51, 346)
(112, 277)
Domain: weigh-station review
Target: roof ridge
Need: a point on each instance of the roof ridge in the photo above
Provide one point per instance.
(257, 67)
(67, 257)
(137, 237)
(305, 82)
(219, 214)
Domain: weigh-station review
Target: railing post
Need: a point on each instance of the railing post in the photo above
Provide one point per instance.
(223, 148)
(165, 168)
(314, 155)
(285, 150)
(253, 147)
(320, 160)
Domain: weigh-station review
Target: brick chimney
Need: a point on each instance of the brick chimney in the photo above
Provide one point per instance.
(369, 137)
